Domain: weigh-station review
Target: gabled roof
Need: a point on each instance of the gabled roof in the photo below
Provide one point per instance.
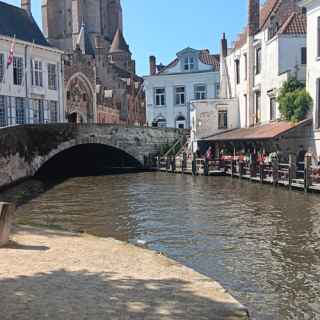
(119, 44)
(16, 22)
(204, 56)
(296, 24)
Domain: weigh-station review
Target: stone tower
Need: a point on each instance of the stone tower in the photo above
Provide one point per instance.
(26, 5)
(62, 21)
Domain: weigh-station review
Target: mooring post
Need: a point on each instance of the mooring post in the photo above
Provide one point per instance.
(194, 165)
(173, 164)
(241, 166)
(275, 171)
(232, 167)
(261, 172)
(206, 168)
(307, 172)
(6, 218)
(292, 169)
(184, 162)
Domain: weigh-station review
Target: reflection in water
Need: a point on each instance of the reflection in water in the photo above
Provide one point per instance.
(260, 243)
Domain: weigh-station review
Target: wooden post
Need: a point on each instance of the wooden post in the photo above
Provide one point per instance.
(241, 165)
(184, 162)
(6, 219)
(232, 168)
(292, 169)
(173, 164)
(307, 172)
(194, 166)
(275, 171)
(206, 168)
(253, 166)
(261, 172)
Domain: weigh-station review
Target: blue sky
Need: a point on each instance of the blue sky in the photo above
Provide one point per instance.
(164, 27)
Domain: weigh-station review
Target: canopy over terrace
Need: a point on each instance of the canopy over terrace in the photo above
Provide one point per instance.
(281, 136)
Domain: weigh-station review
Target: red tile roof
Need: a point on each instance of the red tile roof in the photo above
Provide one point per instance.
(262, 132)
(296, 24)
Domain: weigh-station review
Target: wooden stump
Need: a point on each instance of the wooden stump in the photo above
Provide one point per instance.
(6, 218)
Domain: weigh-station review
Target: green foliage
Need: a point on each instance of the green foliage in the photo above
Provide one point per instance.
(294, 101)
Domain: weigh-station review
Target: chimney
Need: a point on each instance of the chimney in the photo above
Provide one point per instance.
(26, 5)
(224, 46)
(153, 65)
(254, 17)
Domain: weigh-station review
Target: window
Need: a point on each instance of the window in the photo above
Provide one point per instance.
(160, 123)
(200, 92)
(304, 55)
(245, 56)
(1, 67)
(180, 96)
(217, 89)
(189, 63)
(3, 113)
(222, 119)
(237, 63)
(181, 122)
(38, 111)
(246, 109)
(273, 109)
(36, 73)
(52, 76)
(160, 96)
(20, 111)
(17, 71)
(258, 106)
(53, 109)
(258, 60)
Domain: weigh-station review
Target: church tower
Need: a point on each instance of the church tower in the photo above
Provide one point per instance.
(62, 21)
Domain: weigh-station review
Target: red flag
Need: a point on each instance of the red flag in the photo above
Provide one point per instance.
(11, 53)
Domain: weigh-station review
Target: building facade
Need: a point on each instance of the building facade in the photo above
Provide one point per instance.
(271, 49)
(100, 78)
(31, 73)
(192, 75)
(313, 66)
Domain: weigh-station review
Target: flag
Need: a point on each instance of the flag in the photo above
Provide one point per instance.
(11, 53)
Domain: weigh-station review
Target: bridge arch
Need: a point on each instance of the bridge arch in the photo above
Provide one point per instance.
(40, 161)
(80, 99)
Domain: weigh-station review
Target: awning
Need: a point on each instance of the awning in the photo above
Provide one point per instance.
(268, 131)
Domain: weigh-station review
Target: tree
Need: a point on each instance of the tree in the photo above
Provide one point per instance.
(294, 100)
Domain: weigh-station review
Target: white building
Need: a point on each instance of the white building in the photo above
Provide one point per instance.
(31, 87)
(192, 75)
(313, 65)
(270, 50)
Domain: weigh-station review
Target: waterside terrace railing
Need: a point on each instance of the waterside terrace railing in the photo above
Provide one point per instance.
(293, 175)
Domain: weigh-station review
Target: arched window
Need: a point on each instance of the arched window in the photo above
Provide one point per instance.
(181, 122)
(159, 122)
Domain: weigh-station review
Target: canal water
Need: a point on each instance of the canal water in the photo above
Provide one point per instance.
(261, 243)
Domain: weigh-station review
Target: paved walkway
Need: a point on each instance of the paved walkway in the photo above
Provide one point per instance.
(61, 276)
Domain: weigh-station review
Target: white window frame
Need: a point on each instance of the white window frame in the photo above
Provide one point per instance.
(222, 119)
(3, 112)
(200, 94)
(189, 63)
(180, 96)
(17, 70)
(160, 98)
(37, 73)
(38, 111)
(53, 110)
(2, 68)
(217, 90)
(21, 112)
(52, 76)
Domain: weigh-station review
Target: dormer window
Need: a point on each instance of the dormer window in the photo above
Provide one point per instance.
(273, 27)
(188, 64)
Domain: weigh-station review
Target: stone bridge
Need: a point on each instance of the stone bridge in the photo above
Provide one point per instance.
(25, 149)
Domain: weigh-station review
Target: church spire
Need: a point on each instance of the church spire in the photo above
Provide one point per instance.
(119, 44)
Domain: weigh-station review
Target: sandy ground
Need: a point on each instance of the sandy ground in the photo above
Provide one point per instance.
(56, 275)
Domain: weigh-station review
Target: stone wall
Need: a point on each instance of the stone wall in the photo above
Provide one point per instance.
(24, 149)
